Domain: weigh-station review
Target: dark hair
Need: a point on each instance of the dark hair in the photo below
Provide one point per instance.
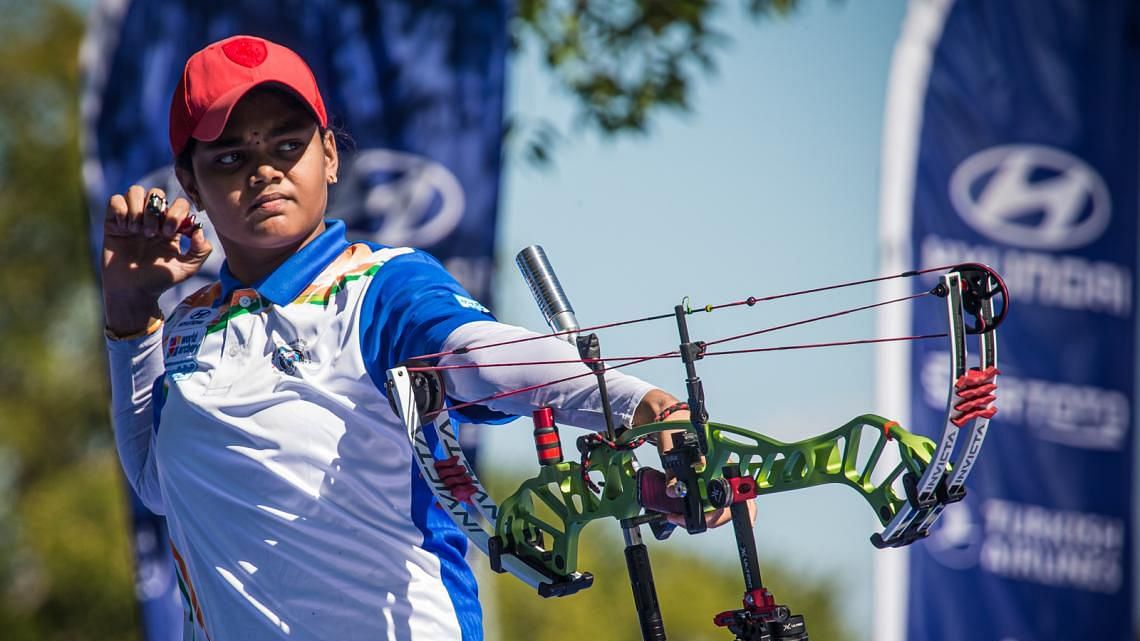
(185, 160)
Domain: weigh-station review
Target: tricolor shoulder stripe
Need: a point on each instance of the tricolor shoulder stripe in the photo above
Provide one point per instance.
(358, 261)
(204, 297)
(228, 312)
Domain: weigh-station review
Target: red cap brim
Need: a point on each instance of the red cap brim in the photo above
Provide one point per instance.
(213, 122)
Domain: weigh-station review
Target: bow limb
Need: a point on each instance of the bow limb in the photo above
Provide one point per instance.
(411, 400)
(979, 423)
(902, 529)
(969, 288)
(541, 522)
(978, 416)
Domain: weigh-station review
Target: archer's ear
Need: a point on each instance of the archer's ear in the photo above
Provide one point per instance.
(332, 158)
(189, 185)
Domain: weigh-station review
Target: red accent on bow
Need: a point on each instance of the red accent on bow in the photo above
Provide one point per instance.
(976, 387)
(456, 478)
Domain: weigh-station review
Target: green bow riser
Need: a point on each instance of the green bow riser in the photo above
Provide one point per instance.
(540, 523)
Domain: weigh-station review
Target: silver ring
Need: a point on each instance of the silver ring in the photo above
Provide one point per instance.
(156, 205)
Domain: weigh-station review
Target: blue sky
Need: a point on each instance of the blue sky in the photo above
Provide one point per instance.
(771, 184)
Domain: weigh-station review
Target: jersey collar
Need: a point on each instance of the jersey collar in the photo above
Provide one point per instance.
(289, 279)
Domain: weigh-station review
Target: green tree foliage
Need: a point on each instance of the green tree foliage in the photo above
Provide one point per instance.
(623, 62)
(64, 561)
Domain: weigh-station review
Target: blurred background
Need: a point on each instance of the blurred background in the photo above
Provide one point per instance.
(656, 150)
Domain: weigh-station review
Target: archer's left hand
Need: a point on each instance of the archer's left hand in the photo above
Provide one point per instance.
(647, 411)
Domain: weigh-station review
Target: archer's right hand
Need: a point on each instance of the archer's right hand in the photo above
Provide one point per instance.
(143, 257)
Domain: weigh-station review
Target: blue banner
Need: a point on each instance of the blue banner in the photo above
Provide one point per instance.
(1014, 141)
(415, 88)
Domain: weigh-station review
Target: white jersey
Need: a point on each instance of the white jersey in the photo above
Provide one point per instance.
(295, 508)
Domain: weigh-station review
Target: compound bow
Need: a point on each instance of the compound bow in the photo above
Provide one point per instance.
(534, 533)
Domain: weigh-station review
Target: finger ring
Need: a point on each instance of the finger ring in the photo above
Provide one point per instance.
(156, 205)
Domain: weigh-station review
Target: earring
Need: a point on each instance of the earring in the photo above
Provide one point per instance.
(332, 180)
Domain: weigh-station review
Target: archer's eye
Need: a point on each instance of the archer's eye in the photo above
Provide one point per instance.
(228, 159)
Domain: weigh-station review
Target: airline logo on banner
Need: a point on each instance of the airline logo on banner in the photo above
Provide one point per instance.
(1032, 543)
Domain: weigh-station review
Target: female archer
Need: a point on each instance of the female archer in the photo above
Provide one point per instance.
(254, 416)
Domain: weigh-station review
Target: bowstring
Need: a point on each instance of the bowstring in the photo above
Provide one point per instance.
(635, 360)
(675, 354)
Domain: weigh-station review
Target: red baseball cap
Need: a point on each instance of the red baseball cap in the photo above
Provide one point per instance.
(217, 77)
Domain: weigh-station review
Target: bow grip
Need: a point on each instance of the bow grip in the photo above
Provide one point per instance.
(652, 497)
(680, 462)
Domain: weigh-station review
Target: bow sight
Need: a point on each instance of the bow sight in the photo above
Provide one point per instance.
(907, 479)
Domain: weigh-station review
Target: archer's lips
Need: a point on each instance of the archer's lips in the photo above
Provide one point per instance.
(269, 202)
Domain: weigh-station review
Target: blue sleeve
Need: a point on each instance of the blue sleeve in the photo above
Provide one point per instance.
(412, 305)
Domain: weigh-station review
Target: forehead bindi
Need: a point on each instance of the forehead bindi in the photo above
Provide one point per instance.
(264, 114)
(236, 134)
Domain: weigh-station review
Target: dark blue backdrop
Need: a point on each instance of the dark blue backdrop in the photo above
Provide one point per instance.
(1027, 159)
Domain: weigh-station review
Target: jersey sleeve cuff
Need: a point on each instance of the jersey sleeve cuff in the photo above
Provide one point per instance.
(151, 328)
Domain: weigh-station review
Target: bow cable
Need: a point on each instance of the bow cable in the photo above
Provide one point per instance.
(675, 354)
(635, 360)
(626, 361)
(750, 301)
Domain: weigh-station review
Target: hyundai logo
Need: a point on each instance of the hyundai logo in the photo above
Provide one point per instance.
(398, 198)
(1031, 196)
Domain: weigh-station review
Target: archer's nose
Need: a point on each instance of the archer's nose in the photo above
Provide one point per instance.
(265, 173)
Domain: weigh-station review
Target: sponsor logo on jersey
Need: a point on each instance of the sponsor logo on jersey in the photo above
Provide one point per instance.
(470, 303)
(181, 346)
(1031, 196)
(199, 316)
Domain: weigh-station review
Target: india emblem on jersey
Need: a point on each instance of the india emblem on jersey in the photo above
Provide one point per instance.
(287, 357)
